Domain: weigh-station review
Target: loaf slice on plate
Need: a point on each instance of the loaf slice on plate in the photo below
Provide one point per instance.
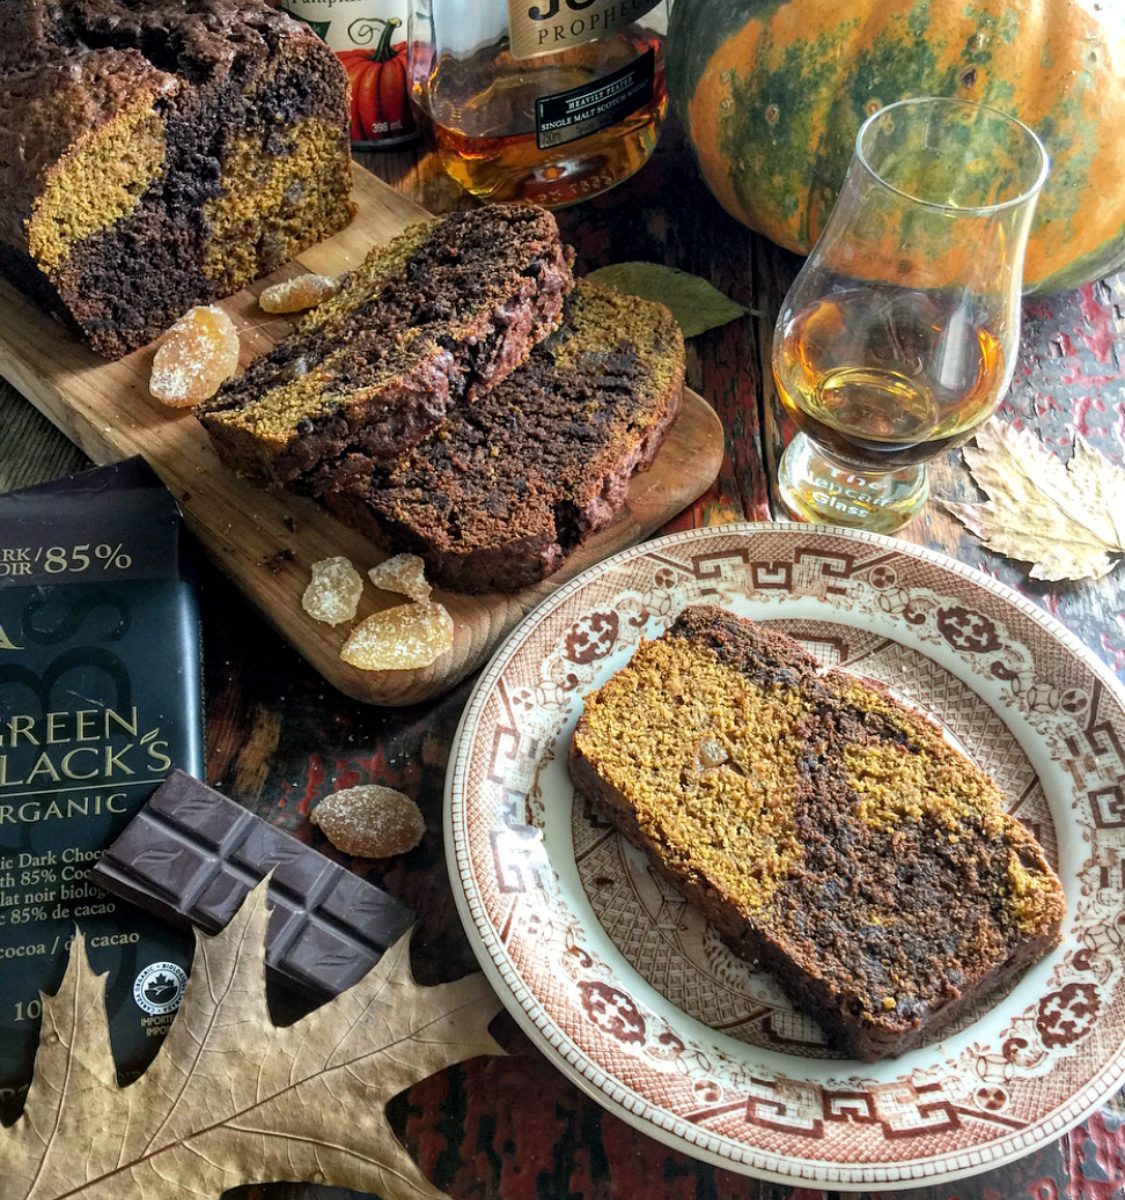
(432, 319)
(501, 493)
(830, 833)
(156, 154)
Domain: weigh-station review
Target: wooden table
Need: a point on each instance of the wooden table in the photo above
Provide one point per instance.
(278, 738)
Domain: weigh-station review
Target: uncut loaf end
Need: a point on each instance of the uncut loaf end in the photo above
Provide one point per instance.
(156, 154)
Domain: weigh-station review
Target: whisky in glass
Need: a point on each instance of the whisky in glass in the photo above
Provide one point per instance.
(899, 336)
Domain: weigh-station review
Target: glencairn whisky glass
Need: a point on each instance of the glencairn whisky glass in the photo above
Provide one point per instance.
(899, 336)
(546, 100)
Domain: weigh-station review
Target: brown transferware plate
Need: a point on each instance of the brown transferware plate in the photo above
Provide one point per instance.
(633, 995)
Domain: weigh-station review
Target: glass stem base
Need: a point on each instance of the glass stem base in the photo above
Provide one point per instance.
(816, 487)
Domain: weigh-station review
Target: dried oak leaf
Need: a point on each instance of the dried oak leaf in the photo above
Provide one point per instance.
(1068, 521)
(232, 1098)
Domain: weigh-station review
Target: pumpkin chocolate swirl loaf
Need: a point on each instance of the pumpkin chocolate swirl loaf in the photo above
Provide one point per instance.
(156, 154)
(435, 318)
(829, 832)
(504, 490)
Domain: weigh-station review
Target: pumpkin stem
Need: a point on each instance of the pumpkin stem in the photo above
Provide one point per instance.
(383, 50)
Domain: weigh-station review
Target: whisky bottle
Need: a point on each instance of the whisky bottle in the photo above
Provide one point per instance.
(546, 100)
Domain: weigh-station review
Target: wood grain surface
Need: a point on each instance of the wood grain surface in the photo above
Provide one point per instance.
(267, 541)
(279, 740)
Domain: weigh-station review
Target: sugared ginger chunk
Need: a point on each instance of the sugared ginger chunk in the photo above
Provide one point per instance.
(403, 574)
(400, 639)
(370, 821)
(333, 592)
(297, 294)
(196, 356)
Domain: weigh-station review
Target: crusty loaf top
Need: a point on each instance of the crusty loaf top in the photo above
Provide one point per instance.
(67, 68)
(196, 39)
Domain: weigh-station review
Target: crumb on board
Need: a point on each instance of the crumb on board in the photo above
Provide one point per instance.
(276, 563)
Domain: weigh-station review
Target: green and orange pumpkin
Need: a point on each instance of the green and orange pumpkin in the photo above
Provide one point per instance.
(772, 93)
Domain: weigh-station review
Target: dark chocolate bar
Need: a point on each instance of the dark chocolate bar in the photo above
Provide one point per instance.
(191, 855)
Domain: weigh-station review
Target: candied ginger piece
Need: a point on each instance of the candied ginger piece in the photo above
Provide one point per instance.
(399, 639)
(333, 593)
(371, 821)
(299, 293)
(197, 354)
(404, 574)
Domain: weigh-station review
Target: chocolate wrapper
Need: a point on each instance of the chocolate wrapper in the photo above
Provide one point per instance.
(100, 699)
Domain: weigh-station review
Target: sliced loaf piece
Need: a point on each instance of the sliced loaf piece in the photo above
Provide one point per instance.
(506, 488)
(827, 830)
(435, 317)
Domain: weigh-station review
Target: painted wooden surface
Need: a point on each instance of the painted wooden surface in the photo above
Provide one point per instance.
(512, 1128)
(267, 541)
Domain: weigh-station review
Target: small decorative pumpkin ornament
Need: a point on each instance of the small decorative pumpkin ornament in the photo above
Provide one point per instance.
(772, 93)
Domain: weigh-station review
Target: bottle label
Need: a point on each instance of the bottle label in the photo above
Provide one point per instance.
(369, 37)
(567, 116)
(548, 26)
(349, 24)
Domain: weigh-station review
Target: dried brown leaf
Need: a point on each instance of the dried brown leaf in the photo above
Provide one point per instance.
(233, 1098)
(1067, 521)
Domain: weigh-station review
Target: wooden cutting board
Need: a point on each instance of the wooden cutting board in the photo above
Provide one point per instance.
(266, 541)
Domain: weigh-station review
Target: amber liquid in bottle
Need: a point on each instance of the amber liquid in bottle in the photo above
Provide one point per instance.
(886, 377)
(484, 118)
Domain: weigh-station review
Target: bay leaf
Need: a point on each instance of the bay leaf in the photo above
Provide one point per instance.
(696, 304)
